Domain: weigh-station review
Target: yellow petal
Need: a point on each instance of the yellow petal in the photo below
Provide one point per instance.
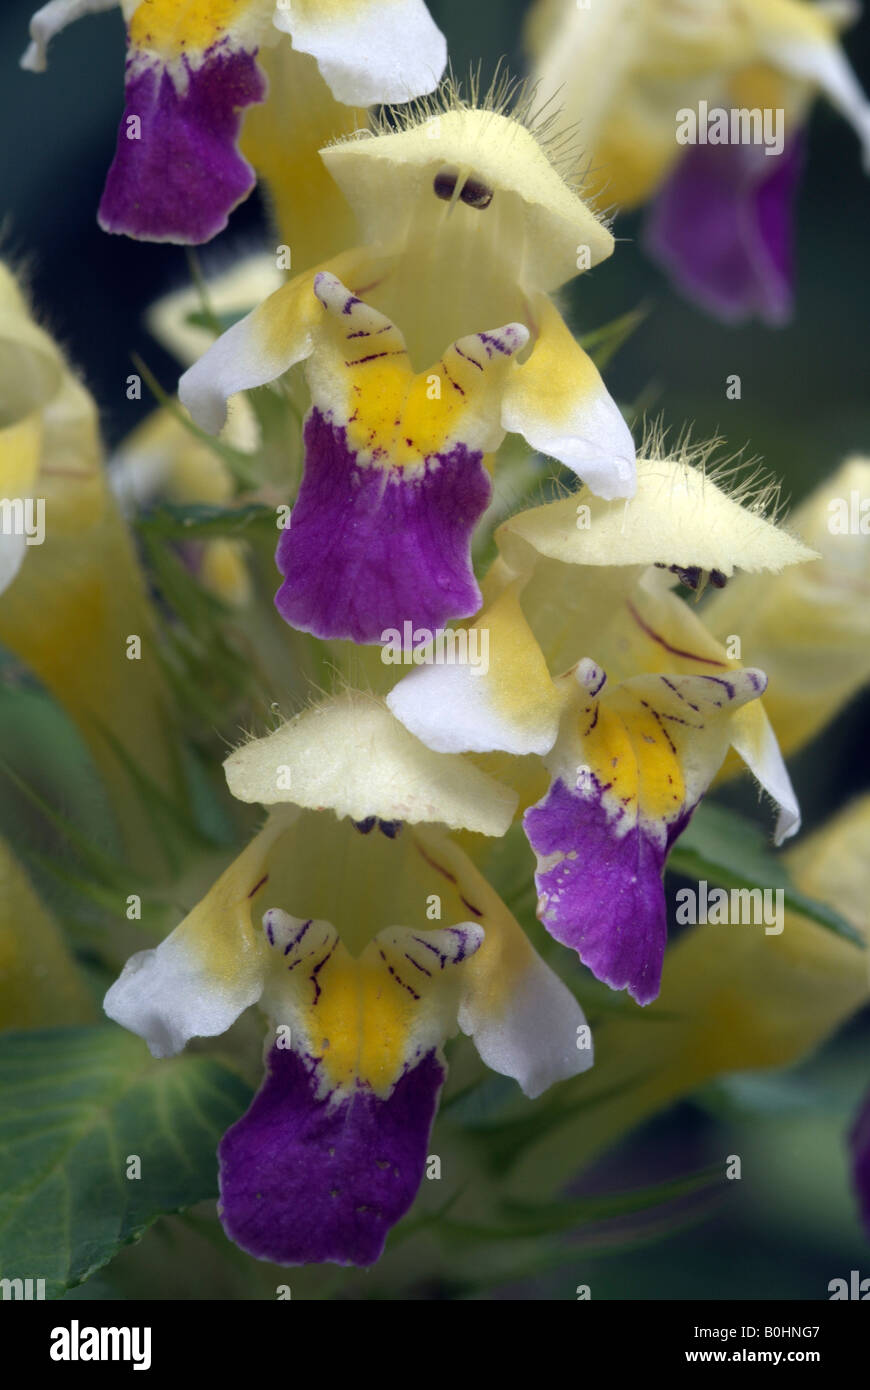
(559, 403)
(30, 365)
(351, 755)
(264, 344)
(390, 177)
(507, 702)
(282, 138)
(679, 516)
(810, 627)
(40, 984)
(360, 370)
(212, 967)
(801, 40)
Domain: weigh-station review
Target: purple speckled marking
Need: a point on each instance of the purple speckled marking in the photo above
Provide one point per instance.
(859, 1148)
(721, 227)
(180, 181)
(607, 902)
(367, 550)
(305, 1180)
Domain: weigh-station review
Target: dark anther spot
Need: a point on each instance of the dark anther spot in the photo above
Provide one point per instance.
(475, 193)
(364, 826)
(690, 576)
(694, 577)
(390, 828)
(445, 184)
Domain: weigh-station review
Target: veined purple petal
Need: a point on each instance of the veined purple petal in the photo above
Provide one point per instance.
(859, 1145)
(721, 228)
(182, 177)
(601, 893)
(369, 548)
(307, 1178)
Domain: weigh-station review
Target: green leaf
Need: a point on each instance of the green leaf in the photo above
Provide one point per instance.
(725, 849)
(501, 1144)
(75, 1105)
(558, 1217)
(207, 672)
(39, 741)
(108, 871)
(602, 344)
(175, 827)
(216, 323)
(211, 321)
(199, 521)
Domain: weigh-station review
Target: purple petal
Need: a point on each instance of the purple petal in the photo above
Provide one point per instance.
(307, 1178)
(602, 895)
(182, 178)
(368, 549)
(721, 227)
(859, 1145)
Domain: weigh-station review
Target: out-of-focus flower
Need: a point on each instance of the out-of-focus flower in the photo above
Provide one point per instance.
(703, 103)
(470, 225)
(193, 69)
(161, 459)
(73, 595)
(332, 1150)
(722, 229)
(176, 319)
(49, 437)
(40, 985)
(630, 760)
(809, 628)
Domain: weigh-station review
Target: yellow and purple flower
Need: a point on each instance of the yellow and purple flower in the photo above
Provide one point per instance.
(332, 1150)
(192, 71)
(701, 105)
(420, 353)
(631, 739)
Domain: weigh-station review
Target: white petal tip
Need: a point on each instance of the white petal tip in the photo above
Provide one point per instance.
(787, 826)
(206, 408)
(756, 680)
(34, 59)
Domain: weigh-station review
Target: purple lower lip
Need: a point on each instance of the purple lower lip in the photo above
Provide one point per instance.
(183, 175)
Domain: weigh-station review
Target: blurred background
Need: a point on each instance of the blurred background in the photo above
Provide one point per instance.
(790, 1225)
